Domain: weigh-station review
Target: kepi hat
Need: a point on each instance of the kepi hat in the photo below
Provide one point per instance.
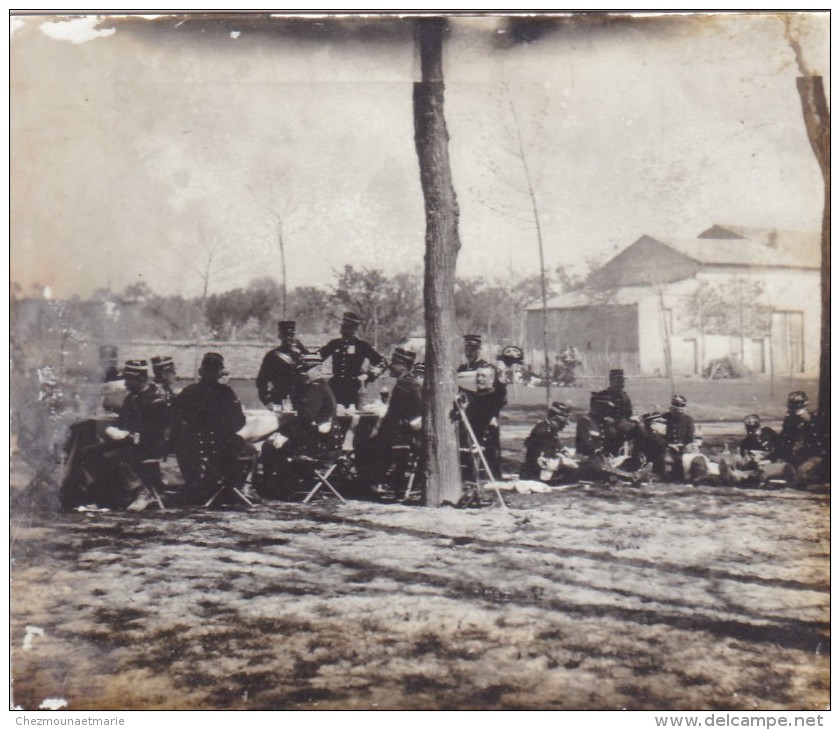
(351, 319)
(285, 326)
(212, 363)
(136, 369)
(752, 421)
(404, 357)
(798, 399)
(559, 410)
(472, 340)
(617, 374)
(678, 401)
(162, 364)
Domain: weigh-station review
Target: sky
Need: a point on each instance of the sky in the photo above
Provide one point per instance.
(158, 149)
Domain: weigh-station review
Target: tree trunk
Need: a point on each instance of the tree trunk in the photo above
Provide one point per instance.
(442, 467)
(818, 125)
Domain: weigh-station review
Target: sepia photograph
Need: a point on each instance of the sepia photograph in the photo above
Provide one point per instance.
(420, 361)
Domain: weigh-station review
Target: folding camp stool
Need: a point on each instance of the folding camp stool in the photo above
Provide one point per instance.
(412, 465)
(152, 479)
(248, 462)
(323, 465)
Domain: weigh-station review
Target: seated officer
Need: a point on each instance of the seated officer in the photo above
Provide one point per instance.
(137, 436)
(208, 415)
(546, 459)
(308, 433)
(621, 427)
(666, 438)
(400, 426)
(800, 444)
(278, 372)
(349, 354)
(598, 463)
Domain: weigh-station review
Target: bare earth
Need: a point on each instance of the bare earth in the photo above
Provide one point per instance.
(664, 597)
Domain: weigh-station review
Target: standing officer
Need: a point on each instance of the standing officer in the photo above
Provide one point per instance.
(209, 415)
(348, 354)
(472, 353)
(278, 372)
(483, 411)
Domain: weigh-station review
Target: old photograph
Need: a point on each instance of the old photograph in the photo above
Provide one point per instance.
(420, 361)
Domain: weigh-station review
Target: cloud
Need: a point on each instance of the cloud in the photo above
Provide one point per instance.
(78, 30)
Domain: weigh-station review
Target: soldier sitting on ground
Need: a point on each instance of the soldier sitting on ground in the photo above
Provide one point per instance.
(800, 443)
(665, 440)
(546, 459)
(598, 463)
(209, 415)
(757, 461)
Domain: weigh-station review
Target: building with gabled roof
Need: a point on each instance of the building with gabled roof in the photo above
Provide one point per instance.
(645, 306)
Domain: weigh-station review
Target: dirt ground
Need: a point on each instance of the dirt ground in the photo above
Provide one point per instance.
(590, 597)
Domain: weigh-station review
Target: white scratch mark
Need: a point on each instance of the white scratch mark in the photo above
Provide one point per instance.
(31, 633)
(235, 34)
(52, 703)
(47, 292)
(77, 30)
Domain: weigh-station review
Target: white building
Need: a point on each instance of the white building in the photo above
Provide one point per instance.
(643, 306)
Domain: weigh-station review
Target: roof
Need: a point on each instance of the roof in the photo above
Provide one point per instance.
(623, 296)
(741, 252)
(805, 245)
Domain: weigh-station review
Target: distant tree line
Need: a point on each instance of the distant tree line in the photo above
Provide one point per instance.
(391, 308)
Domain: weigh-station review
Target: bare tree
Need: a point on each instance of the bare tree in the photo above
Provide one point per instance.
(443, 474)
(818, 125)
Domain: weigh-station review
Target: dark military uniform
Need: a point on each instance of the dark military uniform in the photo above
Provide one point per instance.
(621, 428)
(542, 441)
(375, 455)
(209, 415)
(143, 415)
(591, 444)
(763, 441)
(277, 375)
(679, 433)
(348, 356)
(800, 446)
(483, 410)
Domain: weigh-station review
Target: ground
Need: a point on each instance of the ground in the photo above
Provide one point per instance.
(590, 597)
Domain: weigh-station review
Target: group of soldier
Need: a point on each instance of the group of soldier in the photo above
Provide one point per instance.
(612, 444)
(202, 426)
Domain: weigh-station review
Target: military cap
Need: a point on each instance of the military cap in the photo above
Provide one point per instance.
(472, 339)
(678, 401)
(798, 399)
(654, 417)
(512, 355)
(351, 319)
(617, 374)
(285, 325)
(752, 421)
(163, 364)
(309, 360)
(559, 410)
(136, 368)
(212, 362)
(404, 357)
